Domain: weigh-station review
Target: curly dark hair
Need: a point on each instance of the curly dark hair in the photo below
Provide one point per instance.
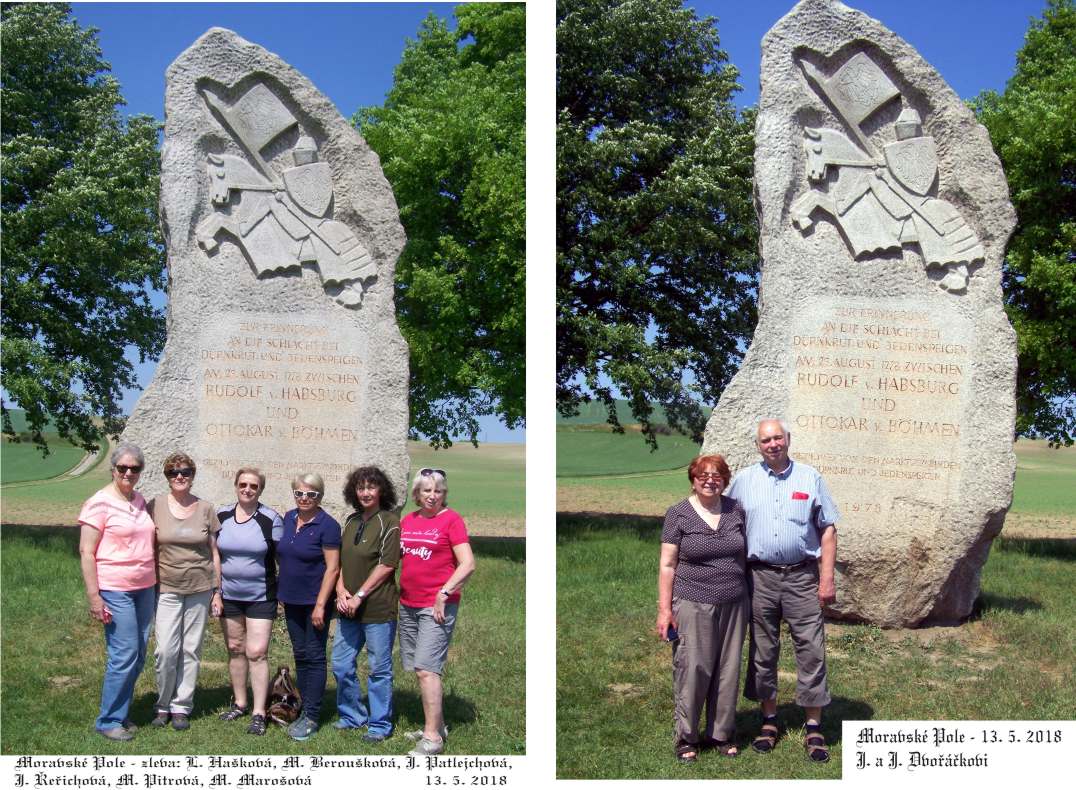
(369, 474)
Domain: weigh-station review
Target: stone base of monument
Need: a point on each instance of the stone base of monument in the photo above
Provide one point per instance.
(881, 340)
(283, 351)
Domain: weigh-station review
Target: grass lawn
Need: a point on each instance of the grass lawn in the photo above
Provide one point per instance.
(486, 485)
(1013, 660)
(22, 460)
(53, 658)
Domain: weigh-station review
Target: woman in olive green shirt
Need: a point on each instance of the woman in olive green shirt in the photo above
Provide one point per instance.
(367, 600)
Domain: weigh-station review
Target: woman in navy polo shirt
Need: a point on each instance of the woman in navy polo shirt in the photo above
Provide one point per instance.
(309, 557)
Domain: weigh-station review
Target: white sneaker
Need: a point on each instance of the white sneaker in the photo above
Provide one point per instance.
(425, 747)
(416, 735)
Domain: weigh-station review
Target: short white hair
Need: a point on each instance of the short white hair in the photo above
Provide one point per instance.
(778, 420)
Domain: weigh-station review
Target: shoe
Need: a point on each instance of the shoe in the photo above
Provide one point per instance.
(116, 734)
(425, 747)
(373, 737)
(130, 726)
(340, 724)
(815, 745)
(233, 713)
(257, 725)
(180, 721)
(302, 728)
(687, 753)
(416, 735)
(161, 719)
(766, 739)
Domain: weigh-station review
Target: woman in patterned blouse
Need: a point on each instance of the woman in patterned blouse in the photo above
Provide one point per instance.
(703, 608)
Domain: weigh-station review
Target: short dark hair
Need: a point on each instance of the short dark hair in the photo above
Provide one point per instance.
(369, 474)
(178, 461)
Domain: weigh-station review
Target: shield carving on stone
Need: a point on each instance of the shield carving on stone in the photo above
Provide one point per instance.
(914, 163)
(310, 186)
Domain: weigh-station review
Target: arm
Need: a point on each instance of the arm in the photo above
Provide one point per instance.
(328, 582)
(89, 538)
(216, 607)
(465, 566)
(348, 603)
(670, 554)
(827, 587)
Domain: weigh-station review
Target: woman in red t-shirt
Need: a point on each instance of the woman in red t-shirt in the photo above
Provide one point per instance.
(436, 561)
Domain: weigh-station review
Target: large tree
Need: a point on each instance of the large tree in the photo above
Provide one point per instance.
(656, 232)
(80, 239)
(1033, 128)
(451, 140)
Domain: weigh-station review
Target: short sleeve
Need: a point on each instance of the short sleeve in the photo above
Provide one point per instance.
(278, 527)
(94, 513)
(214, 522)
(457, 531)
(670, 530)
(330, 534)
(389, 551)
(828, 515)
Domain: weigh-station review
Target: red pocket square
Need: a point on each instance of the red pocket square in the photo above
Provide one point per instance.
(799, 495)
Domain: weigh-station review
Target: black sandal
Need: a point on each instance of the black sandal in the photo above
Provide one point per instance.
(233, 713)
(766, 739)
(685, 749)
(815, 744)
(257, 725)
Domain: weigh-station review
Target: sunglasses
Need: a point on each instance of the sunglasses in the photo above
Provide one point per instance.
(186, 472)
(253, 486)
(315, 495)
(426, 472)
(708, 476)
(124, 469)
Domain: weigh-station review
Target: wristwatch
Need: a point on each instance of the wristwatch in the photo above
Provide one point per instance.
(445, 592)
(360, 594)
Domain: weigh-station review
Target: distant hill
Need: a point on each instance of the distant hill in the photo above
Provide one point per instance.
(595, 413)
(22, 461)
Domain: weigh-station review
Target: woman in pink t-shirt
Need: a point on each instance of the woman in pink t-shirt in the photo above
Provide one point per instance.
(116, 552)
(436, 561)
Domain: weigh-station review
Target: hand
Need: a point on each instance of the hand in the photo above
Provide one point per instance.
(342, 603)
(216, 608)
(318, 616)
(439, 609)
(665, 619)
(98, 610)
(827, 591)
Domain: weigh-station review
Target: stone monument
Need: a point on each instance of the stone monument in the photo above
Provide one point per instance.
(283, 350)
(881, 341)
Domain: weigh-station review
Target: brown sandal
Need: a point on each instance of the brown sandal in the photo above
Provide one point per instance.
(815, 744)
(687, 753)
(766, 739)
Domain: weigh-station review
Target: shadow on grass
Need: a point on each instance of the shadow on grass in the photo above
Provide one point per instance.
(512, 549)
(574, 526)
(988, 601)
(792, 718)
(41, 537)
(1051, 548)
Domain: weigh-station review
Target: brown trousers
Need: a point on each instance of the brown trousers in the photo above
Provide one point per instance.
(791, 596)
(706, 668)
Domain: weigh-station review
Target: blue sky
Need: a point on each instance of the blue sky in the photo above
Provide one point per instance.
(349, 51)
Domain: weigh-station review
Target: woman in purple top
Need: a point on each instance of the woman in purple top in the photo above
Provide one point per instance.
(249, 534)
(309, 557)
(702, 608)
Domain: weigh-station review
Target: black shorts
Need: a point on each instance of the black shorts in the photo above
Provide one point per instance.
(254, 610)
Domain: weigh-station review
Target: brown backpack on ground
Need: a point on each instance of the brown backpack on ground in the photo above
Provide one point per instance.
(285, 703)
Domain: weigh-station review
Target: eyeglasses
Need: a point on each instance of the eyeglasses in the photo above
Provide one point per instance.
(708, 476)
(253, 486)
(124, 469)
(315, 495)
(426, 472)
(186, 472)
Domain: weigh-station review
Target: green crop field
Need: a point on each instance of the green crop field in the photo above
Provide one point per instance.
(21, 461)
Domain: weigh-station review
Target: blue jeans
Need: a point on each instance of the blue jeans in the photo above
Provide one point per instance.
(351, 635)
(126, 638)
(308, 649)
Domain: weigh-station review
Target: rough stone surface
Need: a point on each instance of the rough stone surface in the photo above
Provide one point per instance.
(283, 350)
(896, 376)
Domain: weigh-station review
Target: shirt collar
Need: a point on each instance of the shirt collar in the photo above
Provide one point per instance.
(782, 475)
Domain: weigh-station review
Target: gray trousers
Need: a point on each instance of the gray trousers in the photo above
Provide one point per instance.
(706, 668)
(791, 596)
(180, 627)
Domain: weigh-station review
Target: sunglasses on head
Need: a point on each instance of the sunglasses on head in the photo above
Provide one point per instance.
(124, 469)
(426, 472)
(186, 471)
(306, 494)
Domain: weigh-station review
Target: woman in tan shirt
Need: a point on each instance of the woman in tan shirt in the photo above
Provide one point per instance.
(188, 570)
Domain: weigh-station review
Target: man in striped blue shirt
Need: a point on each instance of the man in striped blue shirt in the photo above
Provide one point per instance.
(791, 548)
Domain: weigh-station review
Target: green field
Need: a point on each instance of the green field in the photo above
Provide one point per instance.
(21, 461)
(53, 658)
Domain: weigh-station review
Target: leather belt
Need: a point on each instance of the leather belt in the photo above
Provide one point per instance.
(783, 568)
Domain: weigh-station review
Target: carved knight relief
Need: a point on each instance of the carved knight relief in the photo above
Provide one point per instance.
(284, 219)
(881, 202)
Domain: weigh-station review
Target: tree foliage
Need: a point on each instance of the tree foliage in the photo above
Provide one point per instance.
(1033, 130)
(80, 240)
(656, 232)
(451, 140)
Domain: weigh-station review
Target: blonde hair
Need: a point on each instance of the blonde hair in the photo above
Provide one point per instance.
(312, 479)
(439, 481)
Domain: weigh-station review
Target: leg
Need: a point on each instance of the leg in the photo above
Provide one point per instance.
(257, 659)
(317, 673)
(195, 619)
(122, 640)
(429, 684)
(346, 647)
(431, 652)
(764, 651)
(379, 638)
(169, 647)
(235, 638)
(297, 618)
(693, 662)
(805, 622)
(721, 702)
